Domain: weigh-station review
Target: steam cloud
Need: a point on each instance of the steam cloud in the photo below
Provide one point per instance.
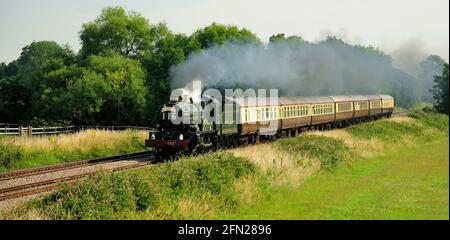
(326, 68)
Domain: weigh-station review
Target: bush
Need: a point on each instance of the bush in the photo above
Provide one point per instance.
(431, 118)
(111, 196)
(329, 151)
(386, 131)
(9, 155)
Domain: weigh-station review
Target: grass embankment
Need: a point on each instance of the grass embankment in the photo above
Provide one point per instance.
(390, 169)
(26, 152)
(405, 183)
(403, 174)
(191, 187)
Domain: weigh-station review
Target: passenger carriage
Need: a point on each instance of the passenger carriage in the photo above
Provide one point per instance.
(361, 107)
(374, 105)
(343, 109)
(295, 113)
(322, 110)
(387, 105)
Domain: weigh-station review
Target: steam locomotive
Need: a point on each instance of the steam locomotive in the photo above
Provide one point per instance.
(186, 127)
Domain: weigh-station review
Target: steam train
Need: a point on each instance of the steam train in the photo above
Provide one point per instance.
(183, 127)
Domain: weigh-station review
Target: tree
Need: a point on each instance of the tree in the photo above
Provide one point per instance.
(280, 37)
(219, 34)
(431, 67)
(49, 101)
(34, 55)
(440, 91)
(169, 51)
(86, 97)
(3, 67)
(126, 34)
(14, 100)
(123, 93)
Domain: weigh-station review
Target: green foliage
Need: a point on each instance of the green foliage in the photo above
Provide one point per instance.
(430, 118)
(219, 34)
(14, 100)
(385, 131)
(33, 58)
(441, 91)
(120, 84)
(282, 38)
(430, 67)
(9, 154)
(23, 81)
(170, 50)
(328, 150)
(429, 124)
(113, 196)
(126, 34)
(371, 50)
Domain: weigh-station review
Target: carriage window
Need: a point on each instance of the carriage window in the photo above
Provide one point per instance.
(245, 115)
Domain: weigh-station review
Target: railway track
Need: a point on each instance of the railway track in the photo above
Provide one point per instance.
(71, 165)
(30, 188)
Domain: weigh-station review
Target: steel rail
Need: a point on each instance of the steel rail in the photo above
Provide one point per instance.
(71, 165)
(54, 184)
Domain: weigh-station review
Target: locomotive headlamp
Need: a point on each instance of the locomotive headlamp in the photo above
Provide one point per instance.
(181, 136)
(153, 136)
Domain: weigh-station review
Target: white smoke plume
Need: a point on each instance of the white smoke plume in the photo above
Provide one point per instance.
(329, 67)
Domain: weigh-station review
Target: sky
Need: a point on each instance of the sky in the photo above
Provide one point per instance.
(394, 26)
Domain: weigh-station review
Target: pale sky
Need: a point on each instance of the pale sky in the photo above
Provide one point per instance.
(387, 24)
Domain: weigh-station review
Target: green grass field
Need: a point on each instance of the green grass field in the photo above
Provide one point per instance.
(405, 183)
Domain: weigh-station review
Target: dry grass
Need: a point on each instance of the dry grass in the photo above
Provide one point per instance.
(285, 168)
(189, 208)
(402, 119)
(20, 213)
(26, 152)
(81, 142)
(365, 148)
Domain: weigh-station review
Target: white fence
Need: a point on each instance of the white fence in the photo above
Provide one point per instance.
(18, 130)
